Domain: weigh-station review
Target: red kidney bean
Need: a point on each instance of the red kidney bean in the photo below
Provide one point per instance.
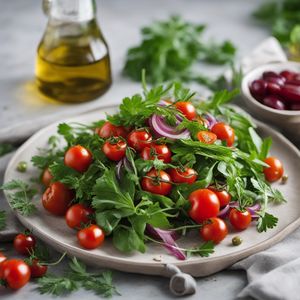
(290, 93)
(269, 74)
(295, 107)
(288, 75)
(273, 88)
(274, 102)
(258, 89)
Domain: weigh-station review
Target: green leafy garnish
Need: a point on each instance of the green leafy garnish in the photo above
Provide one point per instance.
(76, 277)
(21, 197)
(203, 250)
(6, 148)
(170, 48)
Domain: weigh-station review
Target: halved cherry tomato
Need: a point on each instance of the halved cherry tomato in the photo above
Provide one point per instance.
(157, 182)
(216, 230)
(114, 150)
(78, 215)
(109, 130)
(57, 198)
(223, 196)
(206, 137)
(15, 273)
(139, 139)
(224, 132)
(46, 177)
(37, 269)
(240, 220)
(162, 152)
(275, 171)
(187, 109)
(90, 237)
(78, 158)
(187, 175)
(204, 205)
(24, 243)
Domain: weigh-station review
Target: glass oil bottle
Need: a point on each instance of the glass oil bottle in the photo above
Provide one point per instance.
(73, 63)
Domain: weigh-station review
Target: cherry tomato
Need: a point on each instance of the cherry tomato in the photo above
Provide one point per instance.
(158, 183)
(90, 237)
(240, 220)
(77, 215)
(15, 273)
(275, 171)
(206, 137)
(187, 109)
(36, 269)
(187, 175)
(161, 151)
(139, 139)
(215, 231)
(223, 196)
(78, 158)
(114, 150)
(57, 198)
(109, 130)
(24, 243)
(224, 132)
(47, 177)
(204, 205)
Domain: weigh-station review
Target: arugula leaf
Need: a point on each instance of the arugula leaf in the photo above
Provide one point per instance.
(20, 200)
(2, 219)
(203, 250)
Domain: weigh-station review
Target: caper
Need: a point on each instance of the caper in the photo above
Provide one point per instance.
(22, 166)
(236, 241)
(284, 179)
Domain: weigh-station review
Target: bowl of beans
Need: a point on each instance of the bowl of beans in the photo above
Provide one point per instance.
(272, 94)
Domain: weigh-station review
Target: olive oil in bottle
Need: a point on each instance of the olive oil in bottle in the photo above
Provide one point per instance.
(73, 62)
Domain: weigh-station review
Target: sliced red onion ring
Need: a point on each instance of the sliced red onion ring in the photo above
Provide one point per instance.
(119, 169)
(253, 210)
(162, 129)
(210, 119)
(234, 204)
(168, 237)
(224, 212)
(127, 164)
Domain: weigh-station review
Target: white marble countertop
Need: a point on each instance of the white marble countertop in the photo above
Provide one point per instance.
(21, 27)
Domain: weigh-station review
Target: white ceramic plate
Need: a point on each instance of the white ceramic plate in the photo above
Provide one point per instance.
(54, 231)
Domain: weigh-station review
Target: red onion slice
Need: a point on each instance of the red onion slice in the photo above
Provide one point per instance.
(168, 237)
(210, 119)
(252, 209)
(224, 212)
(119, 169)
(162, 129)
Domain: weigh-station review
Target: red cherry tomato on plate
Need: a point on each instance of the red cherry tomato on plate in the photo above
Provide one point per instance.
(157, 182)
(187, 109)
(109, 130)
(37, 270)
(224, 132)
(2, 258)
(46, 177)
(223, 196)
(204, 205)
(114, 150)
(187, 175)
(78, 158)
(275, 171)
(77, 215)
(139, 139)
(206, 137)
(216, 230)
(57, 198)
(162, 152)
(240, 220)
(90, 237)
(24, 243)
(15, 273)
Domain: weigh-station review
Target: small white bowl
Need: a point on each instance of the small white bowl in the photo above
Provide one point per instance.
(287, 120)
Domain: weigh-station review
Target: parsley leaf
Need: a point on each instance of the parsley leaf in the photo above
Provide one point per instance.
(203, 250)
(20, 200)
(266, 221)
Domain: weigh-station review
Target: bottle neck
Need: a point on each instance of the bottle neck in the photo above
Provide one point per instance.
(72, 10)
